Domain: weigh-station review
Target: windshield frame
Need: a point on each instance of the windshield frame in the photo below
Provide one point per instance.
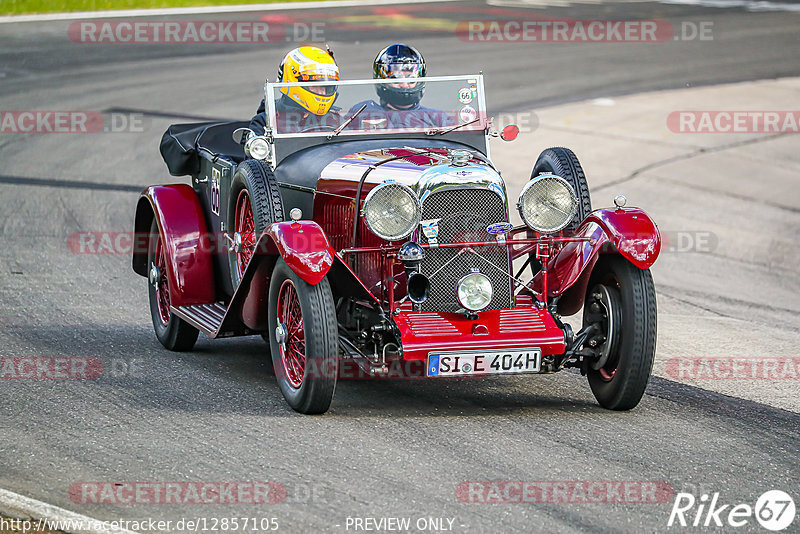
(270, 92)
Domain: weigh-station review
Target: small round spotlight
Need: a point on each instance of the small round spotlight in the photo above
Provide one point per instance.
(257, 147)
(474, 291)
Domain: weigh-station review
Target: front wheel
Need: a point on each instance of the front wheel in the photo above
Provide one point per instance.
(621, 302)
(303, 340)
(172, 331)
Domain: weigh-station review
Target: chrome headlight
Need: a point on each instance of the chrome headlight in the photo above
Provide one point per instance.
(474, 291)
(257, 147)
(392, 211)
(547, 203)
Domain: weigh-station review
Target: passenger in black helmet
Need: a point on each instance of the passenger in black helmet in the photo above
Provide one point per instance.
(399, 102)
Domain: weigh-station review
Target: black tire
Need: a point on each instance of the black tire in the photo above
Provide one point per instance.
(620, 382)
(256, 179)
(172, 331)
(314, 393)
(564, 163)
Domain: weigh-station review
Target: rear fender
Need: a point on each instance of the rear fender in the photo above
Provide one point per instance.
(629, 232)
(182, 226)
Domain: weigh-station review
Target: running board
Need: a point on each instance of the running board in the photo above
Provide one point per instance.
(208, 318)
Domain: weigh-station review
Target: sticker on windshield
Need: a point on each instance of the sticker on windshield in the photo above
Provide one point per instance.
(468, 114)
(465, 95)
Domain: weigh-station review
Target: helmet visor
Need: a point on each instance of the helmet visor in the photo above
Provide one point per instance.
(401, 70)
(321, 90)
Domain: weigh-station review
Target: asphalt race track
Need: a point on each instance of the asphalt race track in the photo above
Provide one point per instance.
(397, 448)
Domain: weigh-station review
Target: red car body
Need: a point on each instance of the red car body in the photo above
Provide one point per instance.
(325, 184)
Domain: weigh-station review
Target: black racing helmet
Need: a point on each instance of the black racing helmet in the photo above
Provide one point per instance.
(399, 61)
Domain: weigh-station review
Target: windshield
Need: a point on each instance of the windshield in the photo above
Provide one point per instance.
(407, 105)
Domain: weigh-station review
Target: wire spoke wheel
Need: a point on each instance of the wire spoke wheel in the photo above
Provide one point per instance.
(303, 335)
(293, 346)
(244, 231)
(254, 203)
(161, 284)
(172, 331)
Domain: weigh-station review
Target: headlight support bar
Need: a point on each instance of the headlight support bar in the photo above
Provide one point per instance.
(542, 245)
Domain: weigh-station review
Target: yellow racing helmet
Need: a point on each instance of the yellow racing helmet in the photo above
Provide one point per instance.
(310, 64)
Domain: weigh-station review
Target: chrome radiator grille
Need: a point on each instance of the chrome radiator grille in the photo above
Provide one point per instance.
(464, 214)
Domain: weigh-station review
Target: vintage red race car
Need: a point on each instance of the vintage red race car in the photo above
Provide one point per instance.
(381, 243)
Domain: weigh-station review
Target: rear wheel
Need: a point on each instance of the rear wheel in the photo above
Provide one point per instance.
(621, 301)
(303, 340)
(172, 331)
(255, 203)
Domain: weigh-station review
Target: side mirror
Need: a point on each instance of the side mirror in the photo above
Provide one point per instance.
(510, 132)
(242, 133)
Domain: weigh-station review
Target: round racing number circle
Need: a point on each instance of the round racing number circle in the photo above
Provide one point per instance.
(775, 510)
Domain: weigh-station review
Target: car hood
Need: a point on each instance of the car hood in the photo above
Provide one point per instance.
(424, 170)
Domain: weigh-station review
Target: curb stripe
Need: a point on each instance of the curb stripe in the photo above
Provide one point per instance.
(14, 504)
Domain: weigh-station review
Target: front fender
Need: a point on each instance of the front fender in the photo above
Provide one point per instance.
(632, 232)
(182, 226)
(629, 232)
(304, 247)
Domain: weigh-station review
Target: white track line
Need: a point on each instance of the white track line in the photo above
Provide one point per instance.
(756, 6)
(82, 15)
(14, 504)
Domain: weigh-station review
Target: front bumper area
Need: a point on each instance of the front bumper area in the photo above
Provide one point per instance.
(422, 332)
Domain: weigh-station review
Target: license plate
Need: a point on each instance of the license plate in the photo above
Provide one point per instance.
(481, 363)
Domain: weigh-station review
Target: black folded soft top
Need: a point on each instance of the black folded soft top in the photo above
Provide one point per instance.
(181, 145)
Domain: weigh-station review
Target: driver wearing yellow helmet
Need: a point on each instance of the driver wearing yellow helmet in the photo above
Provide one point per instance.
(308, 108)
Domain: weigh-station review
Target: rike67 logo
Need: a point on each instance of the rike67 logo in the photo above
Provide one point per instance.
(774, 510)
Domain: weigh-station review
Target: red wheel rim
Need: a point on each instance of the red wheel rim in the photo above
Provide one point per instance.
(293, 350)
(246, 229)
(162, 285)
(607, 375)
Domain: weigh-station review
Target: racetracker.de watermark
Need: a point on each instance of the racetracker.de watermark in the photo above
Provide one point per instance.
(50, 368)
(192, 524)
(526, 121)
(729, 368)
(702, 241)
(582, 31)
(564, 491)
(37, 121)
(181, 493)
(102, 243)
(189, 32)
(732, 121)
